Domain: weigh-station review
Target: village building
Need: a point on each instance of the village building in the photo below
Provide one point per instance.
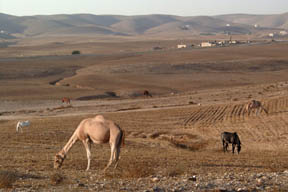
(180, 46)
(207, 44)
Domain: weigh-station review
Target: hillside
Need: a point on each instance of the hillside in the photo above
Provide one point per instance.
(267, 21)
(82, 24)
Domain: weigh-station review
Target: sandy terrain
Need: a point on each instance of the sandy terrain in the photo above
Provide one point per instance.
(172, 143)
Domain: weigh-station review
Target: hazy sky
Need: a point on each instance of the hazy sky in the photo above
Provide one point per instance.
(142, 7)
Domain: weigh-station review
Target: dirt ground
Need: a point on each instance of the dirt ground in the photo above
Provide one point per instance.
(170, 138)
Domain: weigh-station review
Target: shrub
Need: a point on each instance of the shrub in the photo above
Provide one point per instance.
(56, 178)
(76, 52)
(7, 178)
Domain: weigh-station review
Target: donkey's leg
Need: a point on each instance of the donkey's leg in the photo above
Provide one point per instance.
(227, 145)
(223, 142)
(257, 111)
(113, 147)
(87, 146)
(265, 110)
(233, 148)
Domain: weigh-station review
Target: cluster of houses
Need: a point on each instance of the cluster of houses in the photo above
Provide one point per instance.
(212, 44)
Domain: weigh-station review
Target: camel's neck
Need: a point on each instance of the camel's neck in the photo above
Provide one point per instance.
(70, 143)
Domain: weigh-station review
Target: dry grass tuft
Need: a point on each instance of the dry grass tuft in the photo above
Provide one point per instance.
(174, 171)
(7, 178)
(56, 178)
(157, 134)
(137, 171)
(131, 171)
(195, 146)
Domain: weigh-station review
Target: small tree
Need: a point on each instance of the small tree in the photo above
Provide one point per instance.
(76, 52)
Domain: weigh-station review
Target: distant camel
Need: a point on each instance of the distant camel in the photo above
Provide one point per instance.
(147, 94)
(21, 124)
(255, 105)
(97, 130)
(66, 100)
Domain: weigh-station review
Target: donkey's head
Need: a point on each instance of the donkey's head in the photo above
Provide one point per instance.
(237, 141)
(58, 160)
(238, 148)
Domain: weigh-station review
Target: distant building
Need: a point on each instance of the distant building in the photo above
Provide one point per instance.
(227, 25)
(256, 25)
(233, 42)
(180, 46)
(283, 33)
(207, 44)
(221, 43)
(271, 34)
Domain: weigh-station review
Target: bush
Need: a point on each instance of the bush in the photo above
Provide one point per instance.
(7, 178)
(56, 178)
(76, 52)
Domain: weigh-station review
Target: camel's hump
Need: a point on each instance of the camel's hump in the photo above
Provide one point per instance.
(99, 118)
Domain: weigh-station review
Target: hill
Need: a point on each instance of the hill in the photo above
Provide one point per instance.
(83, 24)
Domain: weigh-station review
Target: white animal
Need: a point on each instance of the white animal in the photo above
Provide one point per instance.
(21, 124)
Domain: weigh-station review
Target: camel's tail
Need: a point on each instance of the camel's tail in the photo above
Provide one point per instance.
(122, 139)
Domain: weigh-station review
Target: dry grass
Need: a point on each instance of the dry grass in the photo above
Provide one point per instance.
(156, 134)
(131, 171)
(174, 171)
(192, 146)
(56, 178)
(7, 178)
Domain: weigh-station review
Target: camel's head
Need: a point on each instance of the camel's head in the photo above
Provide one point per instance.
(58, 160)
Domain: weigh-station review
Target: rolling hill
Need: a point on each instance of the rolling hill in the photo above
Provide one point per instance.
(78, 24)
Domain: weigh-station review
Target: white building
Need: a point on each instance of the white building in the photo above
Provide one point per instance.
(207, 44)
(283, 33)
(180, 46)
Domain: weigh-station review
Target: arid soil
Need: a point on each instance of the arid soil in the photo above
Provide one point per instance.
(172, 139)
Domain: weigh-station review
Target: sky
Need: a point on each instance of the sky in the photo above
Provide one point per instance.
(142, 7)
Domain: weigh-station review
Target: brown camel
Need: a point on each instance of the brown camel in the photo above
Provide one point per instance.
(66, 100)
(97, 130)
(253, 104)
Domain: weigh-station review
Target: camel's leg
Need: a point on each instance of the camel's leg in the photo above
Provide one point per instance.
(113, 147)
(87, 146)
(117, 154)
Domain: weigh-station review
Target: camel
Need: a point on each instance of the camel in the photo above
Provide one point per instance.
(22, 124)
(97, 130)
(66, 100)
(253, 104)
